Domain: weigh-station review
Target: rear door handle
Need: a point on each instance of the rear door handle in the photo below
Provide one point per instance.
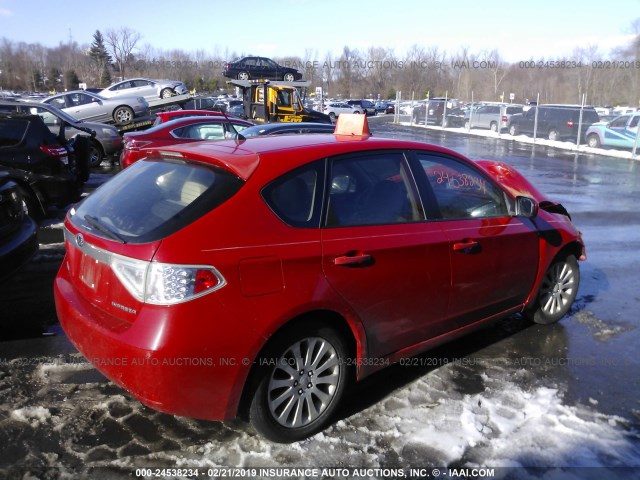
(354, 259)
(466, 246)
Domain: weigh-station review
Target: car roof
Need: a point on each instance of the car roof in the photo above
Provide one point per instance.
(179, 122)
(242, 157)
(193, 112)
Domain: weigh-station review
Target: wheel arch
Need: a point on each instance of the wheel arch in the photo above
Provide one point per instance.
(352, 334)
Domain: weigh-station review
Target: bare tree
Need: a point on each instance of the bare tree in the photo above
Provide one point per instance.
(121, 44)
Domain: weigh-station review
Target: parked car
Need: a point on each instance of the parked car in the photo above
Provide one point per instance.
(181, 130)
(281, 128)
(18, 231)
(83, 105)
(556, 122)
(106, 142)
(385, 107)
(334, 109)
(620, 132)
(205, 103)
(163, 117)
(49, 169)
(263, 277)
(492, 116)
(145, 87)
(247, 68)
(363, 106)
(446, 112)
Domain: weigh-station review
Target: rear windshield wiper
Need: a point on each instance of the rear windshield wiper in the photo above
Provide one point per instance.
(95, 223)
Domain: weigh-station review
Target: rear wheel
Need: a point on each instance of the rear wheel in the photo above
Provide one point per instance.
(332, 116)
(493, 127)
(243, 76)
(166, 93)
(288, 77)
(557, 292)
(513, 130)
(300, 388)
(554, 134)
(123, 115)
(593, 141)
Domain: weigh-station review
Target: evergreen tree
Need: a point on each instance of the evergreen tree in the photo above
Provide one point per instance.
(101, 58)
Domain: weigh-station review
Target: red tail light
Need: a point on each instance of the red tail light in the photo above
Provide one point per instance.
(54, 150)
(504, 118)
(131, 144)
(570, 124)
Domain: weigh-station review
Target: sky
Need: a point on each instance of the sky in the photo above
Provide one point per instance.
(520, 30)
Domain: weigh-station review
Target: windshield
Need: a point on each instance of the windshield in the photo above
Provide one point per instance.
(153, 199)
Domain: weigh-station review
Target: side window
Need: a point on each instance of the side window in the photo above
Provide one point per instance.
(295, 197)
(634, 121)
(58, 102)
(371, 189)
(460, 191)
(201, 132)
(619, 122)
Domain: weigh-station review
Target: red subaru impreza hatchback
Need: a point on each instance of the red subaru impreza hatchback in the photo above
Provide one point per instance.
(260, 277)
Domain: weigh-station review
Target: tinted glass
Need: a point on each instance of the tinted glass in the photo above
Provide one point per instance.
(372, 189)
(154, 198)
(460, 191)
(12, 131)
(294, 197)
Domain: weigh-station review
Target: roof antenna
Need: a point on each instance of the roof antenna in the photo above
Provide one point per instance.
(238, 136)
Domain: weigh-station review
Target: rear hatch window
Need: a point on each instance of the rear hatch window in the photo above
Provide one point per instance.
(12, 131)
(153, 199)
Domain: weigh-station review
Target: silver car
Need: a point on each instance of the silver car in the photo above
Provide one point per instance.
(144, 87)
(334, 109)
(106, 143)
(83, 105)
(492, 116)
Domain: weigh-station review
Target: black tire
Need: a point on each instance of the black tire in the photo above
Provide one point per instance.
(332, 116)
(291, 404)
(123, 115)
(166, 93)
(467, 125)
(493, 127)
(96, 154)
(557, 292)
(554, 135)
(288, 77)
(513, 130)
(243, 76)
(593, 141)
(445, 122)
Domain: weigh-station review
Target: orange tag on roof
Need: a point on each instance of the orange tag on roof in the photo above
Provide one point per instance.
(352, 124)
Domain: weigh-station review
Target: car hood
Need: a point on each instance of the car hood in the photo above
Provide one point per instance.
(511, 179)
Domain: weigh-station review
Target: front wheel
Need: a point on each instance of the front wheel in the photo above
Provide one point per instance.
(303, 381)
(332, 116)
(593, 141)
(513, 131)
(557, 292)
(95, 154)
(123, 115)
(243, 76)
(288, 77)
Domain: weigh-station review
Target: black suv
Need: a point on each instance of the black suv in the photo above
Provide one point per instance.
(248, 68)
(365, 106)
(49, 169)
(18, 232)
(440, 111)
(556, 122)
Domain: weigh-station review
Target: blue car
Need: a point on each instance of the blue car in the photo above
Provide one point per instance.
(620, 132)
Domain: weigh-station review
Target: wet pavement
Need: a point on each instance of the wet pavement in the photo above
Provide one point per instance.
(457, 405)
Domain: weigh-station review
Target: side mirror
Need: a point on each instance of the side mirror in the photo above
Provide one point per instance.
(526, 207)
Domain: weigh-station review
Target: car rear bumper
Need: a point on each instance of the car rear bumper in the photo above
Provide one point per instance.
(191, 365)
